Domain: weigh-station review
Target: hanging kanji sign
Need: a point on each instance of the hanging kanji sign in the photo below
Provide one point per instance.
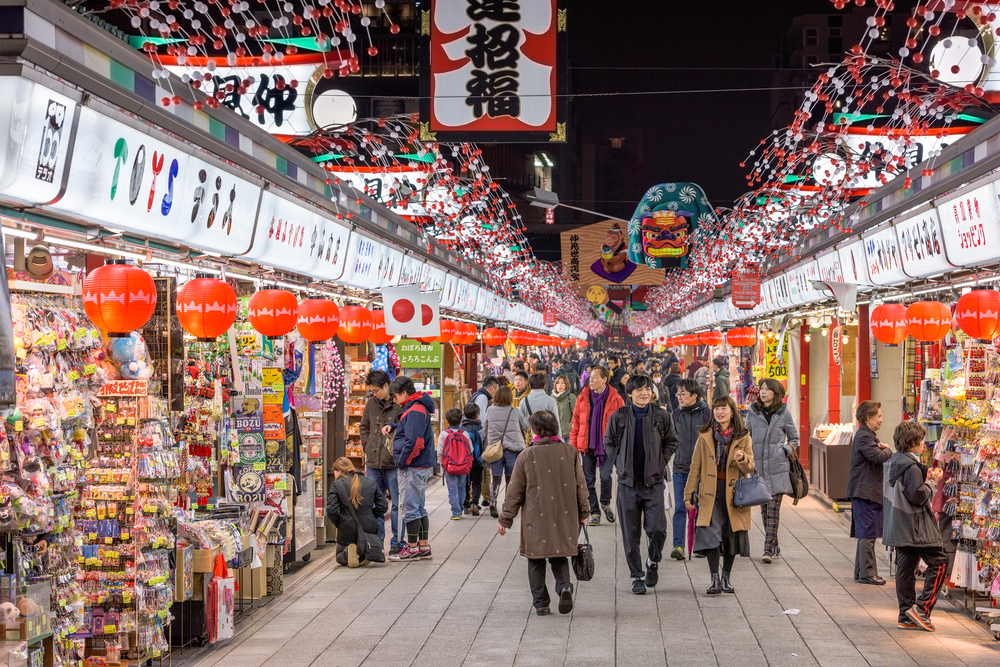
(494, 70)
(746, 287)
(549, 317)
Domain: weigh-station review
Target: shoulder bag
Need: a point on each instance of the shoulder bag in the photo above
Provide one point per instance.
(583, 561)
(527, 434)
(370, 547)
(494, 450)
(751, 491)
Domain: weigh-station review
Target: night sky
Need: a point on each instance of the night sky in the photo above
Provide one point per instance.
(699, 137)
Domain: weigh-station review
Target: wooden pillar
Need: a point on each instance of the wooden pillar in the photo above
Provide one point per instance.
(834, 380)
(804, 426)
(864, 355)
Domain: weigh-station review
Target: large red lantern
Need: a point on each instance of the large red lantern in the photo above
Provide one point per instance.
(319, 319)
(741, 337)
(928, 320)
(494, 337)
(448, 331)
(206, 307)
(978, 313)
(119, 298)
(518, 337)
(470, 333)
(566, 343)
(710, 338)
(378, 335)
(888, 323)
(355, 324)
(273, 312)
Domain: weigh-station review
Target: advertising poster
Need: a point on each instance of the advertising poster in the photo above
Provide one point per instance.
(598, 254)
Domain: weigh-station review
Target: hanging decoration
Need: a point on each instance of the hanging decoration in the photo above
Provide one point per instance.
(355, 324)
(273, 312)
(928, 320)
(888, 323)
(378, 335)
(206, 307)
(978, 313)
(448, 331)
(119, 298)
(710, 338)
(319, 319)
(742, 337)
(336, 386)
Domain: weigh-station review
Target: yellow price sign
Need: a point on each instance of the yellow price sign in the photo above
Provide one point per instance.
(775, 364)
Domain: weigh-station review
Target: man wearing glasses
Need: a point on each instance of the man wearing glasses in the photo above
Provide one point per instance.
(693, 413)
(381, 410)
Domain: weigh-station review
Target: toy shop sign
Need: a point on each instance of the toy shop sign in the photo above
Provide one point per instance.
(124, 388)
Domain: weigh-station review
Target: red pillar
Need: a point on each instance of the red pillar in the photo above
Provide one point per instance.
(864, 355)
(804, 426)
(834, 381)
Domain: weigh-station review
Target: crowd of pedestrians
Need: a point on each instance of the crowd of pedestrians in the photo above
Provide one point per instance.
(552, 439)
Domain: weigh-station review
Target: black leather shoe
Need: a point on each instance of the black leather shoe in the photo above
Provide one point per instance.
(716, 587)
(874, 581)
(608, 514)
(726, 586)
(566, 600)
(542, 611)
(652, 574)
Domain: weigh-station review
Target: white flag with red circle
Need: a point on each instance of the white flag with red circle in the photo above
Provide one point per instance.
(410, 312)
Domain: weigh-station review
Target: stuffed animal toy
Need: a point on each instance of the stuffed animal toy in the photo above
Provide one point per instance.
(131, 353)
(8, 612)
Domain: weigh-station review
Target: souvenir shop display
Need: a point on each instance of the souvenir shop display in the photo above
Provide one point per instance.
(355, 408)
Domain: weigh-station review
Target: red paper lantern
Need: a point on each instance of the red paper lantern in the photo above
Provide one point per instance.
(710, 338)
(888, 323)
(448, 331)
(566, 343)
(518, 337)
(119, 298)
(273, 312)
(378, 335)
(978, 313)
(206, 307)
(742, 337)
(928, 320)
(319, 319)
(471, 333)
(584, 343)
(355, 324)
(494, 337)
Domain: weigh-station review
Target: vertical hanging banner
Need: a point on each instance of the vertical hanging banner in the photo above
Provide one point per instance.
(746, 287)
(549, 317)
(494, 70)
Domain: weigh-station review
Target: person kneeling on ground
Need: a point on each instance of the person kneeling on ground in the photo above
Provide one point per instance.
(351, 486)
(640, 441)
(549, 489)
(911, 528)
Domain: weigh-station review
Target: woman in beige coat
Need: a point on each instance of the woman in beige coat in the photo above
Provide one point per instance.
(548, 484)
(723, 453)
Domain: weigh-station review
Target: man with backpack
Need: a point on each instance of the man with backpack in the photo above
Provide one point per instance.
(473, 428)
(537, 400)
(456, 456)
(692, 414)
(482, 398)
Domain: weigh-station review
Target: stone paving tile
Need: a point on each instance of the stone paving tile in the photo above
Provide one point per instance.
(471, 606)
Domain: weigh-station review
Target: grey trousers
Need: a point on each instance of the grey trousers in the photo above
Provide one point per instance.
(864, 559)
(641, 508)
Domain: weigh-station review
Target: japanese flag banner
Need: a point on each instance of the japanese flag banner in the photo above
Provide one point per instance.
(410, 312)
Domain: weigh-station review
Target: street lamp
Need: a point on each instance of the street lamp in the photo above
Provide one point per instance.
(543, 198)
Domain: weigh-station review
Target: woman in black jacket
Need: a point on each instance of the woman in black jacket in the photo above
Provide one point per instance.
(351, 486)
(864, 488)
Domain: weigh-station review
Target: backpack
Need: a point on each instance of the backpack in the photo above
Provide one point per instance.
(797, 475)
(455, 456)
(477, 443)
(704, 380)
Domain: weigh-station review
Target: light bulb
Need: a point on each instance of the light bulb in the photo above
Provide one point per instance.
(824, 332)
(808, 337)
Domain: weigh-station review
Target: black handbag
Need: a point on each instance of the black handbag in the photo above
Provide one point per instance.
(797, 476)
(370, 547)
(583, 561)
(751, 491)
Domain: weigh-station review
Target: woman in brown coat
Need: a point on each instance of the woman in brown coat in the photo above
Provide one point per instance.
(723, 453)
(548, 484)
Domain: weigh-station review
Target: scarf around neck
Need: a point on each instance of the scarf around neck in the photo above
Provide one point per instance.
(723, 438)
(597, 402)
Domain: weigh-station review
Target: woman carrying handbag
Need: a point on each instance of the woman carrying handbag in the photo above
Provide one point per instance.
(723, 454)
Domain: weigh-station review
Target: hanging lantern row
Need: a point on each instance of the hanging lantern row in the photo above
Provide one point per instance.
(742, 337)
(977, 314)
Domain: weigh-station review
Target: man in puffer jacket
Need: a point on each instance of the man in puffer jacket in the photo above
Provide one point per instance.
(911, 528)
(413, 452)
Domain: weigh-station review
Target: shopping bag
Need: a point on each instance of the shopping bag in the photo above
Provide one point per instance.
(220, 606)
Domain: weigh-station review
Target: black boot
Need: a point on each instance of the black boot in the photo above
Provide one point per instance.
(726, 586)
(716, 587)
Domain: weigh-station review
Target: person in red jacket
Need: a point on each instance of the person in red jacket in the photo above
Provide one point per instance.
(595, 405)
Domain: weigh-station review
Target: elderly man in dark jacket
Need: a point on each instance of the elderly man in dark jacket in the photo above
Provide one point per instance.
(691, 414)
(380, 468)
(864, 488)
(640, 440)
(910, 526)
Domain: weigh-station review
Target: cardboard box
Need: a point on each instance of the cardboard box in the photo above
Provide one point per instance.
(204, 559)
(252, 581)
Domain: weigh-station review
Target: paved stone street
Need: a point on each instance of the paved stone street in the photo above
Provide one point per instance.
(471, 606)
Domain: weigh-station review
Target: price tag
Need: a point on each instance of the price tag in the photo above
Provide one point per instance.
(80, 334)
(92, 536)
(91, 512)
(125, 534)
(130, 421)
(95, 334)
(108, 540)
(110, 629)
(38, 423)
(21, 353)
(259, 466)
(18, 426)
(89, 369)
(280, 486)
(61, 345)
(73, 376)
(120, 421)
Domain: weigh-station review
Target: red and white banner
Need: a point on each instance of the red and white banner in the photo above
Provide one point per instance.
(746, 287)
(410, 312)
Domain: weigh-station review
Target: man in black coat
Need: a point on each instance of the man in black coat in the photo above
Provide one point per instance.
(864, 488)
(380, 467)
(640, 441)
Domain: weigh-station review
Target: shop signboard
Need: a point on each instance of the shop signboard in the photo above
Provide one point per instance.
(296, 237)
(853, 263)
(432, 279)
(414, 354)
(782, 296)
(483, 299)
(775, 364)
(970, 225)
(549, 317)
(883, 257)
(598, 254)
(829, 267)
(794, 293)
(879, 151)
(36, 124)
(370, 264)
(493, 70)
(406, 191)
(8, 382)
(411, 270)
(746, 287)
(449, 293)
(921, 244)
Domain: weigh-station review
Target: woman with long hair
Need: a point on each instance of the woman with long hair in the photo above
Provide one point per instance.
(505, 422)
(723, 454)
(351, 486)
(775, 441)
(565, 402)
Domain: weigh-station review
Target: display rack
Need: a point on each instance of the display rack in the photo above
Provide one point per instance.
(355, 408)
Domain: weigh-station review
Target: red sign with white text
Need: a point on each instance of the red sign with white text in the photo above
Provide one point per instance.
(746, 287)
